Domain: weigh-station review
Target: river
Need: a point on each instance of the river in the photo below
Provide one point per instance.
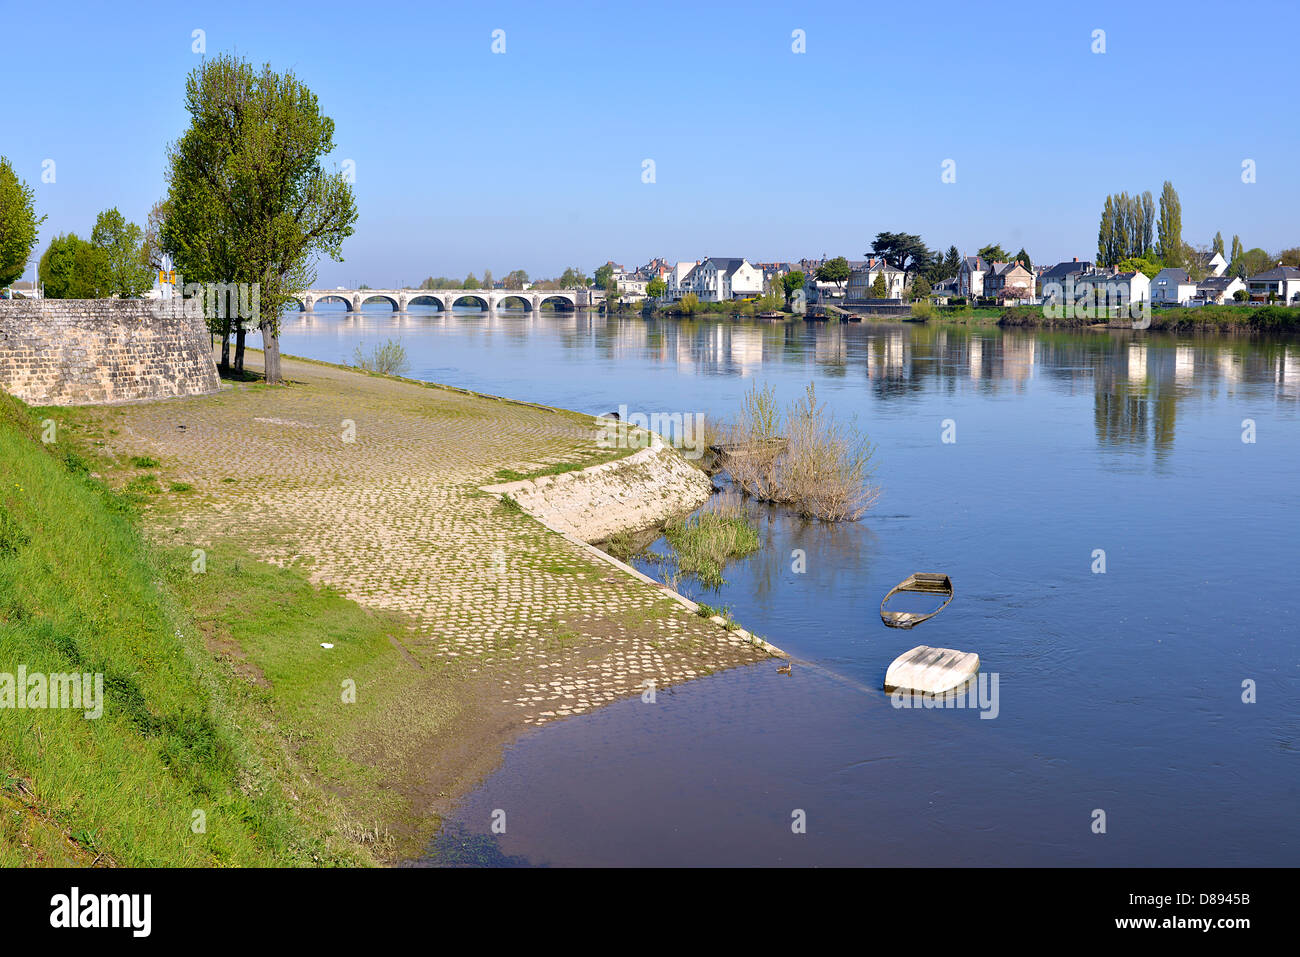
(1163, 692)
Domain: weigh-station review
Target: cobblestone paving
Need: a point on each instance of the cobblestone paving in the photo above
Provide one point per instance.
(393, 519)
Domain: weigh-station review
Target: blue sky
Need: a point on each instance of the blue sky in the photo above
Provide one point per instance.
(532, 159)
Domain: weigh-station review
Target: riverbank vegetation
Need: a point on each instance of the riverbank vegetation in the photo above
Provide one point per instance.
(388, 358)
(1209, 318)
(802, 459)
(179, 769)
(703, 543)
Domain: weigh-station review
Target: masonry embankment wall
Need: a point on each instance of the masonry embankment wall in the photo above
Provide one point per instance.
(628, 494)
(100, 351)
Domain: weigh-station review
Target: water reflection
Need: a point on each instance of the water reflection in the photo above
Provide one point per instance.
(1119, 690)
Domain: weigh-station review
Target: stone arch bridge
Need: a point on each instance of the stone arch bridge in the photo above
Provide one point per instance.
(446, 299)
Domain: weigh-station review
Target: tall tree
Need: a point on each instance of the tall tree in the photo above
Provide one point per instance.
(903, 251)
(1022, 257)
(71, 268)
(1148, 206)
(515, 279)
(1170, 227)
(154, 252)
(792, 280)
(471, 282)
(1255, 261)
(127, 272)
(949, 266)
(1237, 248)
(993, 253)
(834, 270)
(602, 275)
(18, 224)
(574, 278)
(249, 200)
(880, 288)
(1106, 233)
(1218, 243)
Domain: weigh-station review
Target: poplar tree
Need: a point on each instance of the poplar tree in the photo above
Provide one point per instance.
(1170, 226)
(249, 200)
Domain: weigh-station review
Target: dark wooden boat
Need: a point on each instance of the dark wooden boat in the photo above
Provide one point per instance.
(927, 583)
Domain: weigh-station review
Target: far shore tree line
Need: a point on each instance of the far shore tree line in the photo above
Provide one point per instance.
(1133, 238)
(516, 279)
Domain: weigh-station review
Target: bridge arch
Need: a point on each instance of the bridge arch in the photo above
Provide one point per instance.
(335, 297)
(299, 301)
(515, 301)
(427, 299)
(559, 301)
(369, 296)
(459, 300)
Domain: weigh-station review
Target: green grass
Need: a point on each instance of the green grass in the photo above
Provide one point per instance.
(704, 543)
(1211, 318)
(180, 731)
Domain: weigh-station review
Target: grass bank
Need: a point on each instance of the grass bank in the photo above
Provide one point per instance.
(1211, 319)
(191, 762)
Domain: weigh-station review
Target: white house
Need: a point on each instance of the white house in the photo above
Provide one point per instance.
(675, 280)
(1120, 288)
(1172, 287)
(1281, 282)
(863, 279)
(721, 279)
(970, 276)
(632, 285)
(1219, 288)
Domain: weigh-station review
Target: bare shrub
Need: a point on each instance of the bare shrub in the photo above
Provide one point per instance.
(826, 467)
(819, 468)
(754, 444)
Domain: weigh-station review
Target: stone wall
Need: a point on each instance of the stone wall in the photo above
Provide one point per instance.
(626, 495)
(98, 351)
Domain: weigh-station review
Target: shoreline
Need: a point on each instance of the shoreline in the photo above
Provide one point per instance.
(504, 621)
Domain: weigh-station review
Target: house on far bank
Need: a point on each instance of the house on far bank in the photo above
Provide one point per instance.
(1060, 276)
(676, 282)
(23, 289)
(1219, 289)
(1008, 281)
(970, 276)
(1211, 264)
(1172, 287)
(1280, 282)
(863, 278)
(1120, 288)
(722, 279)
(632, 286)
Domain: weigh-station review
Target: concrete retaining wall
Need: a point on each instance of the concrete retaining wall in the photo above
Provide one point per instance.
(628, 494)
(99, 351)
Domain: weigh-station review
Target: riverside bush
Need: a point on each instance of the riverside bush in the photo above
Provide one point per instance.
(819, 468)
(388, 359)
